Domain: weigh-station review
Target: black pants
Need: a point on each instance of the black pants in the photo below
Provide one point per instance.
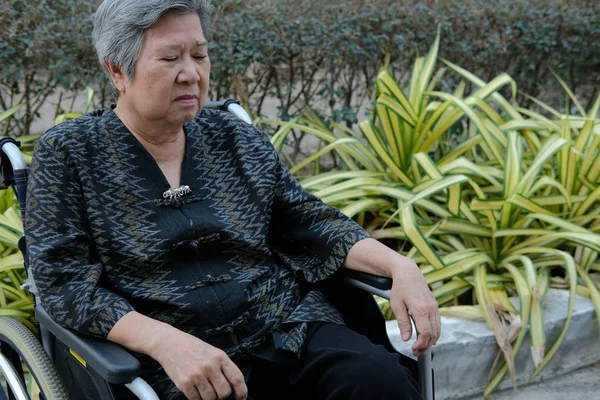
(337, 364)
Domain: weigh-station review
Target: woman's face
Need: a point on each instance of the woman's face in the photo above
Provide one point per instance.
(170, 82)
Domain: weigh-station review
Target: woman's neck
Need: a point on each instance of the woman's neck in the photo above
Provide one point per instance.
(164, 142)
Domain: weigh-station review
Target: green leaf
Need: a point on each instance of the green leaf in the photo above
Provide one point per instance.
(407, 222)
(8, 113)
(458, 268)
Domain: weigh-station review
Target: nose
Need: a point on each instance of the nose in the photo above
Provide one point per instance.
(189, 72)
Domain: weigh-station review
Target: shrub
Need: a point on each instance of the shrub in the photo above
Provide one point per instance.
(330, 51)
(318, 52)
(44, 49)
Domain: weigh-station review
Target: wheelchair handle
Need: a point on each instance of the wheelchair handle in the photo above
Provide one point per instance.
(142, 389)
(233, 106)
(425, 375)
(14, 171)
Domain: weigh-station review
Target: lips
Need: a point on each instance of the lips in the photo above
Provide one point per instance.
(187, 97)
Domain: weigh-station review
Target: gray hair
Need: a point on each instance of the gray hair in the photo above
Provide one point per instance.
(119, 26)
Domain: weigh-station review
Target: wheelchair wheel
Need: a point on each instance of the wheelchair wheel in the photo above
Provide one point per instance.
(21, 350)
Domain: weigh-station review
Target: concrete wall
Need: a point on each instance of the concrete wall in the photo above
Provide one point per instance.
(464, 354)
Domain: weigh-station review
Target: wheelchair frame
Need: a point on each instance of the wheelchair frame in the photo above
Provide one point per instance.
(107, 360)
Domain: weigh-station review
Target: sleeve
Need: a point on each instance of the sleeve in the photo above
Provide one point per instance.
(306, 234)
(61, 248)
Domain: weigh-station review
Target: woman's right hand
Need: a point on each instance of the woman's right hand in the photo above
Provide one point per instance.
(199, 370)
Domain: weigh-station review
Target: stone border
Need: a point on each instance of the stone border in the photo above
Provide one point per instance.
(465, 352)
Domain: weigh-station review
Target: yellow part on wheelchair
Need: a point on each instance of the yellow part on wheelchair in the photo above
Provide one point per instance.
(78, 358)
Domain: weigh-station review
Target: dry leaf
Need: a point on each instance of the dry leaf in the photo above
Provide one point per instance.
(503, 342)
(537, 353)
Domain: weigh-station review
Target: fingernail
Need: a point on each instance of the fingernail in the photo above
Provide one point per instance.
(405, 336)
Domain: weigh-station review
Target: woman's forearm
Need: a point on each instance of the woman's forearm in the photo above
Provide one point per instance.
(368, 255)
(141, 334)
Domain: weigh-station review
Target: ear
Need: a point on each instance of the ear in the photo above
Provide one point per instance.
(117, 75)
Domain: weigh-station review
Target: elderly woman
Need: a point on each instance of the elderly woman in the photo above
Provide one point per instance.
(176, 232)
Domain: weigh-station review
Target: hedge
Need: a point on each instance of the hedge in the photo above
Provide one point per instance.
(320, 52)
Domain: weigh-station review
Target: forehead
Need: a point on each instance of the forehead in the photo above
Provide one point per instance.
(175, 30)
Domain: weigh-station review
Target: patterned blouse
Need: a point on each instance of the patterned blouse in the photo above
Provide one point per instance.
(229, 258)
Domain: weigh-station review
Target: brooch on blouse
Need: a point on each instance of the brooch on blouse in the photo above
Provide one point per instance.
(175, 193)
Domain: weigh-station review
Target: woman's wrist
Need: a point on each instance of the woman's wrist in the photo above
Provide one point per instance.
(403, 267)
(142, 334)
(162, 333)
(369, 255)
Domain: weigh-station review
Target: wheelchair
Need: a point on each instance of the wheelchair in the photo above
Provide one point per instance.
(67, 365)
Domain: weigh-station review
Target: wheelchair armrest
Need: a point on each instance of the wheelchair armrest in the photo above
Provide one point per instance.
(374, 284)
(111, 361)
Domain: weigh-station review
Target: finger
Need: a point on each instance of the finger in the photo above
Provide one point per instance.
(192, 394)
(207, 392)
(404, 322)
(425, 333)
(220, 385)
(421, 345)
(189, 389)
(236, 379)
(434, 328)
(436, 323)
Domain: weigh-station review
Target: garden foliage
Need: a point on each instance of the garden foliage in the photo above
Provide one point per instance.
(44, 49)
(14, 302)
(327, 53)
(512, 210)
(494, 193)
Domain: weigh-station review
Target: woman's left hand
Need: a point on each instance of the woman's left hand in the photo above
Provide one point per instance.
(411, 297)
